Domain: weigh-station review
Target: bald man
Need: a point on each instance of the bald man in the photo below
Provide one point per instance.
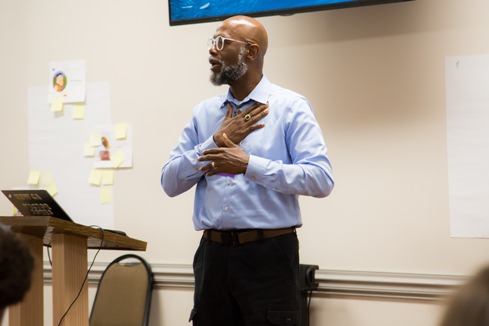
(251, 152)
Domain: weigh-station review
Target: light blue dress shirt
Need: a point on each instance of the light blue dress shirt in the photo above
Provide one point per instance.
(287, 159)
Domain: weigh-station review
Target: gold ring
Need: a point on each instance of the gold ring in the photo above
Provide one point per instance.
(213, 164)
(247, 117)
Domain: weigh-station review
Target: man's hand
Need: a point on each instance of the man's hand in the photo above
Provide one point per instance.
(230, 159)
(238, 127)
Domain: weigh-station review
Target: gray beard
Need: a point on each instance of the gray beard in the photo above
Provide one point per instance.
(231, 73)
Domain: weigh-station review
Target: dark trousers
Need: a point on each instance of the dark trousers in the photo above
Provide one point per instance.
(253, 284)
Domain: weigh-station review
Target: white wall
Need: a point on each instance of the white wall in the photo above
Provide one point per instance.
(375, 77)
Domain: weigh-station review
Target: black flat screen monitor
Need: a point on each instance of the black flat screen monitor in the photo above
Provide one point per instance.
(199, 11)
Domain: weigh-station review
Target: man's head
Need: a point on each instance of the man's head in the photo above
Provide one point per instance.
(16, 265)
(237, 51)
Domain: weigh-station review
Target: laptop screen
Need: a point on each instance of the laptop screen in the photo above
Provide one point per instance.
(36, 202)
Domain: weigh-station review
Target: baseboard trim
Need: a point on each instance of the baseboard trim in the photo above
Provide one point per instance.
(412, 286)
(337, 283)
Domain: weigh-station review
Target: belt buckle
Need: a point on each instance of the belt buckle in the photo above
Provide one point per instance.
(234, 238)
(231, 238)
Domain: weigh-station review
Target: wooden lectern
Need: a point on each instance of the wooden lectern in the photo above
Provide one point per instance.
(69, 242)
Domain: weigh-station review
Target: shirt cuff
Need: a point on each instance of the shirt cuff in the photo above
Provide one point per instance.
(256, 168)
(208, 144)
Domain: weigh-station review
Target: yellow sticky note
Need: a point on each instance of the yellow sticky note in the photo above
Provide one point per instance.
(95, 177)
(79, 111)
(52, 189)
(47, 178)
(57, 104)
(15, 211)
(118, 157)
(88, 151)
(34, 177)
(48, 183)
(105, 195)
(120, 131)
(107, 177)
(95, 139)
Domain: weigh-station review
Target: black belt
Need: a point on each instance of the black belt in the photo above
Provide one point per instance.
(236, 237)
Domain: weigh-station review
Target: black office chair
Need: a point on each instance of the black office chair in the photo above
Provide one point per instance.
(124, 292)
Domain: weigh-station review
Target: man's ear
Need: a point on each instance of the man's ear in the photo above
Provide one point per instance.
(253, 50)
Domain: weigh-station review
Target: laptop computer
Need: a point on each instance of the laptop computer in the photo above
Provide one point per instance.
(36, 202)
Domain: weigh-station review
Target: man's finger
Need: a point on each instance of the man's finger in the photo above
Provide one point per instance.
(228, 141)
(252, 107)
(259, 109)
(229, 113)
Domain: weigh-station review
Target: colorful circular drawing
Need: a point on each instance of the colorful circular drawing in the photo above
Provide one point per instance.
(59, 81)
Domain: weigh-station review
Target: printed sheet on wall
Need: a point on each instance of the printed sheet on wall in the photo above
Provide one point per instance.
(467, 105)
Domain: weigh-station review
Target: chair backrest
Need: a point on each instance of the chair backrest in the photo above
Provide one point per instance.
(124, 292)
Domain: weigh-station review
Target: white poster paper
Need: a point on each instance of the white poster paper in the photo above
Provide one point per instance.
(111, 151)
(467, 102)
(56, 144)
(67, 81)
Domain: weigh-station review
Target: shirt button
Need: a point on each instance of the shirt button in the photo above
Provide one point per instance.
(226, 209)
(230, 182)
(253, 178)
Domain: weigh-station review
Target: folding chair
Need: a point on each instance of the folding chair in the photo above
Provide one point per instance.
(123, 295)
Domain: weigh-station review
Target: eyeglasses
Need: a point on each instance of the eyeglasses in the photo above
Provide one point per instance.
(219, 41)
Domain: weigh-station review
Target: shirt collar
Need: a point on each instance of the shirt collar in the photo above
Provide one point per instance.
(259, 94)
